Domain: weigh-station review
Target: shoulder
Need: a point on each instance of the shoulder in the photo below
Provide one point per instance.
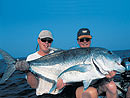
(33, 56)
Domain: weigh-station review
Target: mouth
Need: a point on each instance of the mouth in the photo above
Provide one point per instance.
(84, 44)
(47, 46)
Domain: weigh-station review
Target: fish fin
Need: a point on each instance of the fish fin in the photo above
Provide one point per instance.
(80, 68)
(8, 72)
(86, 84)
(57, 91)
(10, 61)
(56, 49)
(53, 87)
(54, 90)
(7, 57)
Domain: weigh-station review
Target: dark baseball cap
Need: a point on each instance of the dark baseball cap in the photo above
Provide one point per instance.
(84, 33)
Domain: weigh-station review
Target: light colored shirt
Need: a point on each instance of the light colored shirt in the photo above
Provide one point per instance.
(43, 86)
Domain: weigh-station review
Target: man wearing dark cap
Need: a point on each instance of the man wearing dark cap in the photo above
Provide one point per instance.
(100, 86)
(84, 38)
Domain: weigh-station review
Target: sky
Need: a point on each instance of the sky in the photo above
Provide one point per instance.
(22, 20)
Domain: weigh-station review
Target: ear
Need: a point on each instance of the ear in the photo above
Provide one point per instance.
(38, 40)
(90, 41)
(78, 41)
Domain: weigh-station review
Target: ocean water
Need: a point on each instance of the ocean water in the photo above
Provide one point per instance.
(16, 86)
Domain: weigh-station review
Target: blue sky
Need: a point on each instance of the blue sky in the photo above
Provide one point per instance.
(22, 20)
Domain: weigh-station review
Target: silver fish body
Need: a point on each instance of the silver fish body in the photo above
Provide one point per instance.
(81, 64)
(74, 65)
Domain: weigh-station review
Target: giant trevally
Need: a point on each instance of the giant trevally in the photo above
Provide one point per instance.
(74, 65)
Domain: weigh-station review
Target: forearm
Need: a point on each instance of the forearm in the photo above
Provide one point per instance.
(128, 93)
(32, 80)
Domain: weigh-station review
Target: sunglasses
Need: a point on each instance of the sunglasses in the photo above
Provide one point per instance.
(84, 39)
(49, 40)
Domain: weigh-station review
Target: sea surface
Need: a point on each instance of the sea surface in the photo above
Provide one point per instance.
(16, 86)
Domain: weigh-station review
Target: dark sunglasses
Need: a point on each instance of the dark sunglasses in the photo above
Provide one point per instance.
(84, 39)
(49, 40)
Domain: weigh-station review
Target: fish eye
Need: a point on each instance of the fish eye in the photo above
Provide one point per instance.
(109, 52)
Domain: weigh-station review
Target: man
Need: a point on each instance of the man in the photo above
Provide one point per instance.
(106, 84)
(44, 40)
(126, 62)
(128, 90)
(128, 93)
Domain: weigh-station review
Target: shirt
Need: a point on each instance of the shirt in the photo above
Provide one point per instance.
(43, 86)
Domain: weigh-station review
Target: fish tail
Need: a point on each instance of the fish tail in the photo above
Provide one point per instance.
(10, 61)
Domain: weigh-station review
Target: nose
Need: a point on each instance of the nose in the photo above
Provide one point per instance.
(46, 42)
(85, 41)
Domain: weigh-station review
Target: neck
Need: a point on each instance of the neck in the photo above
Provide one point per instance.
(43, 53)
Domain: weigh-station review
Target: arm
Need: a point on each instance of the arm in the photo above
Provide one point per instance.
(32, 80)
(60, 84)
(128, 93)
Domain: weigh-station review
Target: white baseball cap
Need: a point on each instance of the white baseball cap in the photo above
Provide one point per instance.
(45, 34)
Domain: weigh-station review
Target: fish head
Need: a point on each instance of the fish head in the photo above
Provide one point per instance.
(107, 61)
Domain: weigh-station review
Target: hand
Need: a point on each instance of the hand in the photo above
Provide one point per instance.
(60, 84)
(22, 65)
(111, 74)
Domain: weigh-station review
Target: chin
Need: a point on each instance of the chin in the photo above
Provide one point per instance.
(85, 46)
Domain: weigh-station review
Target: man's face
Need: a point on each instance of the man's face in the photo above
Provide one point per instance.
(84, 42)
(45, 43)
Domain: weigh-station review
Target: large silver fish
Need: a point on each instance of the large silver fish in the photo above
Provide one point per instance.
(74, 65)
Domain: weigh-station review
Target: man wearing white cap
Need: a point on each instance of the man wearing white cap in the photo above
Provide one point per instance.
(45, 40)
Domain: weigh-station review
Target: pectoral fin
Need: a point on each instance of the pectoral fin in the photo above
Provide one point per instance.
(79, 68)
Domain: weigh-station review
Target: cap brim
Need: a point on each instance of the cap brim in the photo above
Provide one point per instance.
(85, 36)
(46, 37)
